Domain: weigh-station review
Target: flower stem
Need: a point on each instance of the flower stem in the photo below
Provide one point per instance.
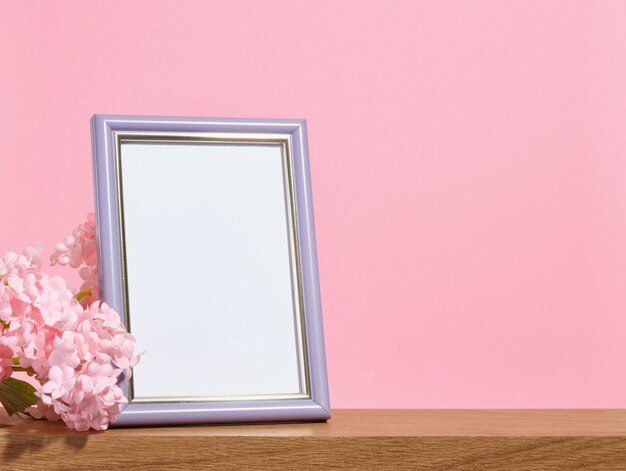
(16, 367)
(82, 294)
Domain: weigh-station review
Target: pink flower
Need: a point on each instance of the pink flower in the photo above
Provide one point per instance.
(82, 385)
(64, 352)
(6, 363)
(77, 349)
(78, 247)
(85, 364)
(60, 382)
(90, 290)
(42, 411)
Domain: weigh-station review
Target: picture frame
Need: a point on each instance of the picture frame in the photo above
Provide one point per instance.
(206, 249)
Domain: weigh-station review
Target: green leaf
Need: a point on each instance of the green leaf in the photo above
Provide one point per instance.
(16, 395)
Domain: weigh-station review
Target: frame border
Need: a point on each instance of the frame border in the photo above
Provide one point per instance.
(315, 408)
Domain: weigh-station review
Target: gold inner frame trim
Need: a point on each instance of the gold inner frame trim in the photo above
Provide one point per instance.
(281, 140)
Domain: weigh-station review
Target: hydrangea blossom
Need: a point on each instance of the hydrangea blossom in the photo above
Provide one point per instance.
(79, 248)
(6, 362)
(77, 351)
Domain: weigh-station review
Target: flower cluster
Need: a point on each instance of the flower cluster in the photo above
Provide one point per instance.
(79, 248)
(6, 362)
(78, 352)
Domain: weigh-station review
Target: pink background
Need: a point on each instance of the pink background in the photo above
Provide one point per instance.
(468, 159)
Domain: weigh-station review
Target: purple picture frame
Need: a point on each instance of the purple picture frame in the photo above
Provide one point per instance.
(314, 408)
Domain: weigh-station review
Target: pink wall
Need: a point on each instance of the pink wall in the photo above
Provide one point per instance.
(468, 158)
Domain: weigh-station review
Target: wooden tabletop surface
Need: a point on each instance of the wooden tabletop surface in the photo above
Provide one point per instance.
(352, 439)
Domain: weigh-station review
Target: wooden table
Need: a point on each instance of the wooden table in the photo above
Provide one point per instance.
(353, 439)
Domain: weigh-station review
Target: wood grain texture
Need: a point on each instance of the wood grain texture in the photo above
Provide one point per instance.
(353, 439)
